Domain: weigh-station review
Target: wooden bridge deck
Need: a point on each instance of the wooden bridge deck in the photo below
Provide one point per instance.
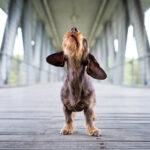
(31, 117)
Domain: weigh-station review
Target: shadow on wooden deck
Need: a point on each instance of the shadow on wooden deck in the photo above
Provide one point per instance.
(31, 118)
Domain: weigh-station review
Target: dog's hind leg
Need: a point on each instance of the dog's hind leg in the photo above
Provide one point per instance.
(68, 127)
(91, 129)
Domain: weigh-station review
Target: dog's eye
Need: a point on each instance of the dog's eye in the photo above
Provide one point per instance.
(65, 57)
(84, 62)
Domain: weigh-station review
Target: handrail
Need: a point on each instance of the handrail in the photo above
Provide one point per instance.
(132, 74)
(129, 61)
(22, 61)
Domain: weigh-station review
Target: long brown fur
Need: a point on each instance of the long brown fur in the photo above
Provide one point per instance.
(72, 45)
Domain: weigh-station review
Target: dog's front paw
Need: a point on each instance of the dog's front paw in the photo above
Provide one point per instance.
(67, 130)
(93, 131)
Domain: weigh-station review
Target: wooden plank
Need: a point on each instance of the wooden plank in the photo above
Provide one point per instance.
(75, 145)
(48, 114)
(125, 135)
(51, 145)
(40, 126)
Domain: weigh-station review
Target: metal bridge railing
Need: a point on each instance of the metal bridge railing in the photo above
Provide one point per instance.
(135, 71)
(23, 73)
(15, 71)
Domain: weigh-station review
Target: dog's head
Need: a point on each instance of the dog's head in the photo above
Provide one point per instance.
(75, 49)
(74, 44)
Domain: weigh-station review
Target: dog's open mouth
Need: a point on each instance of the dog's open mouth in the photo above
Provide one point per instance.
(75, 38)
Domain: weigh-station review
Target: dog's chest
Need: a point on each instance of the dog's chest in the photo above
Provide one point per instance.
(76, 107)
(76, 97)
(78, 103)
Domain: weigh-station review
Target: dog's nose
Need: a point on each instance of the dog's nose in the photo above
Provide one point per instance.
(74, 30)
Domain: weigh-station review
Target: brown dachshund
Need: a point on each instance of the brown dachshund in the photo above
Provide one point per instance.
(77, 93)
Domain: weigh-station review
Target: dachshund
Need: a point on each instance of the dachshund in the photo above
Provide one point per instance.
(77, 93)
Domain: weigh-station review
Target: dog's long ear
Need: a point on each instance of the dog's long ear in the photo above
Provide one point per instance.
(56, 59)
(94, 69)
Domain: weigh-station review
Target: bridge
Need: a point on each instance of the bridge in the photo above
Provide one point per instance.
(31, 113)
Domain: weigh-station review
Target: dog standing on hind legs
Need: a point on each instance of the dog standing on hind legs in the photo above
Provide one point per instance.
(77, 93)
